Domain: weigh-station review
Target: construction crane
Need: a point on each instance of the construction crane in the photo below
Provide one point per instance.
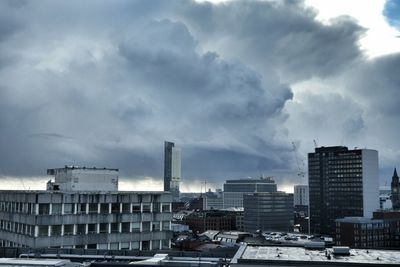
(300, 167)
(315, 143)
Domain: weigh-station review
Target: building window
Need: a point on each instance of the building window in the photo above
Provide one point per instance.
(136, 227)
(165, 244)
(155, 244)
(55, 230)
(114, 246)
(104, 208)
(165, 208)
(43, 230)
(82, 208)
(135, 245)
(102, 246)
(69, 208)
(68, 229)
(156, 207)
(91, 246)
(115, 208)
(135, 208)
(56, 208)
(124, 245)
(93, 208)
(146, 245)
(165, 225)
(126, 208)
(44, 209)
(104, 228)
(114, 227)
(81, 229)
(146, 226)
(146, 207)
(155, 226)
(92, 228)
(125, 227)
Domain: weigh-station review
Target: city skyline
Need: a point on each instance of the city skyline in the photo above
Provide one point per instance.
(233, 83)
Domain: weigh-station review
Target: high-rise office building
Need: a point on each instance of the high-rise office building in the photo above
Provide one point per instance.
(83, 209)
(342, 183)
(172, 169)
(300, 195)
(395, 188)
(271, 211)
(235, 189)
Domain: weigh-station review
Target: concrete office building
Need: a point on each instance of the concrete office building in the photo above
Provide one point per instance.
(212, 201)
(97, 218)
(342, 183)
(271, 211)
(172, 169)
(300, 195)
(235, 189)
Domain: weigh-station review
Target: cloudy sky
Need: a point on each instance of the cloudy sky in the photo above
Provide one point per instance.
(233, 83)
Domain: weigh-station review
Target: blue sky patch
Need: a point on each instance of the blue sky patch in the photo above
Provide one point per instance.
(392, 12)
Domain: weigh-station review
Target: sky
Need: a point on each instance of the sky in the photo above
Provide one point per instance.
(233, 83)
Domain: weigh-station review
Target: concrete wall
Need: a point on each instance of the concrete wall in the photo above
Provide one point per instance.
(370, 174)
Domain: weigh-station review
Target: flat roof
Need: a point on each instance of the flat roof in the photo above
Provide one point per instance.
(358, 220)
(33, 262)
(83, 192)
(264, 255)
(83, 168)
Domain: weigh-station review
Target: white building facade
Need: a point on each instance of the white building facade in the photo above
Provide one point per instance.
(300, 195)
(90, 219)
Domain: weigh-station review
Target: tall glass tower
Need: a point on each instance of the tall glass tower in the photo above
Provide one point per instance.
(172, 169)
(342, 183)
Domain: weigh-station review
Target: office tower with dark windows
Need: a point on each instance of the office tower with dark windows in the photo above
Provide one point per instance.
(342, 183)
(235, 189)
(82, 208)
(271, 211)
(172, 169)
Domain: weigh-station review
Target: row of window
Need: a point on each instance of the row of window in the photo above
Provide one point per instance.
(18, 228)
(83, 229)
(134, 245)
(83, 208)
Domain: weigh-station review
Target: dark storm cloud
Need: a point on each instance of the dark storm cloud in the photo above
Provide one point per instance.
(118, 99)
(277, 36)
(105, 83)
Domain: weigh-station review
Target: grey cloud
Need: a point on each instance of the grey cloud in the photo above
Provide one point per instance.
(120, 78)
(119, 102)
(49, 136)
(276, 36)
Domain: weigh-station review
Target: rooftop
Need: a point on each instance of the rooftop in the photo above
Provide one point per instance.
(82, 192)
(267, 180)
(258, 254)
(72, 167)
(358, 220)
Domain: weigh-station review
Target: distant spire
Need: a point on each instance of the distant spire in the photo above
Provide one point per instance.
(395, 173)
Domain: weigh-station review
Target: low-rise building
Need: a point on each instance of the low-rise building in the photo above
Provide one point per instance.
(201, 221)
(64, 216)
(392, 220)
(247, 256)
(383, 230)
(360, 232)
